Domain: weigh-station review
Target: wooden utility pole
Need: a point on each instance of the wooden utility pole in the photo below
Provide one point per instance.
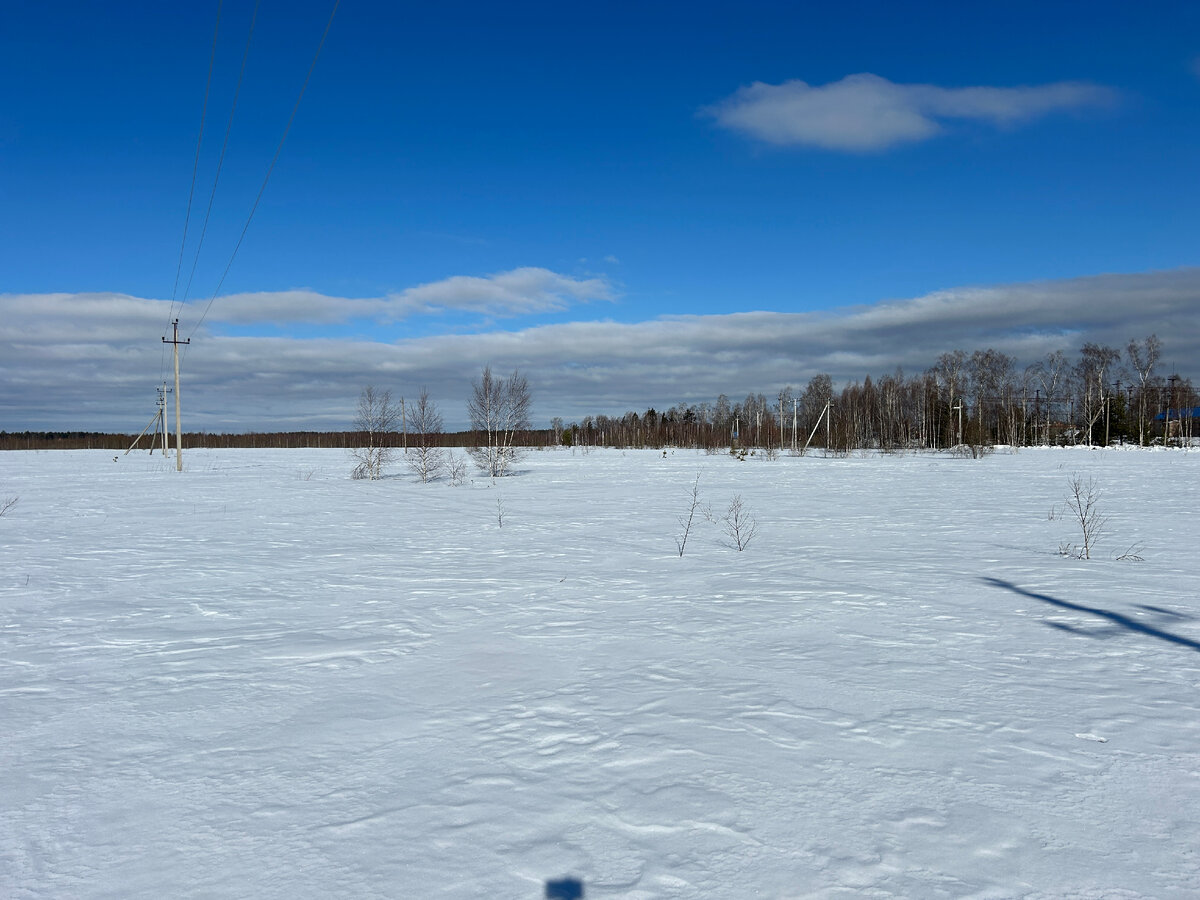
(175, 342)
(162, 416)
(1037, 411)
(1167, 420)
(159, 422)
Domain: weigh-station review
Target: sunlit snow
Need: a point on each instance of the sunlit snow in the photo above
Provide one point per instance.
(259, 678)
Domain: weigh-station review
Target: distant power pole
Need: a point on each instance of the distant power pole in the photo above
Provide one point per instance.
(1037, 411)
(159, 422)
(175, 342)
(162, 416)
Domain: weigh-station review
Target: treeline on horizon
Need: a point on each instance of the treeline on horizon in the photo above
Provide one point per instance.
(1101, 396)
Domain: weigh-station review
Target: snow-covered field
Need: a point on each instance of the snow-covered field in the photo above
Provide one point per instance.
(260, 678)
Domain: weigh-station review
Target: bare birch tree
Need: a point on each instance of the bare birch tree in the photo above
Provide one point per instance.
(426, 458)
(1047, 376)
(1143, 357)
(498, 408)
(685, 522)
(376, 420)
(1091, 373)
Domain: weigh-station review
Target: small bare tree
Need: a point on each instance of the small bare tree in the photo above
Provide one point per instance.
(426, 457)
(7, 503)
(498, 408)
(375, 422)
(1083, 504)
(739, 526)
(456, 468)
(685, 522)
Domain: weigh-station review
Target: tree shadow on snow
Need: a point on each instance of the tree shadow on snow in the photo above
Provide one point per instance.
(564, 889)
(1117, 619)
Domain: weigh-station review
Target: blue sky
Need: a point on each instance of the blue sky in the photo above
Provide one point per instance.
(535, 184)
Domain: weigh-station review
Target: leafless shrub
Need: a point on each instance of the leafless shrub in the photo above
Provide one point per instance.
(8, 503)
(771, 453)
(499, 513)
(1083, 507)
(972, 451)
(739, 526)
(1133, 553)
(685, 522)
(456, 468)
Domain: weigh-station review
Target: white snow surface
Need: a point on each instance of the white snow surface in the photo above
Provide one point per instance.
(260, 678)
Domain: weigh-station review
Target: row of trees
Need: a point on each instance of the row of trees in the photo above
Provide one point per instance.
(499, 411)
(1101, 396)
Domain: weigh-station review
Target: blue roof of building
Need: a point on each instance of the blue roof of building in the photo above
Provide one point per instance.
(1192, 412)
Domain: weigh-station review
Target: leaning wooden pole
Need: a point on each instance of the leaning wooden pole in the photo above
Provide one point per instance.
(144, 430)
(825, 415)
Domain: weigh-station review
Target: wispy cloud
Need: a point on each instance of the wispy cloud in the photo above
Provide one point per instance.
(865, 112)
(518, 292)
(91, 361)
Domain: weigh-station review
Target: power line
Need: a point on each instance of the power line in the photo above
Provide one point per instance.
(196, 165)
(270, 168)
(224, 146)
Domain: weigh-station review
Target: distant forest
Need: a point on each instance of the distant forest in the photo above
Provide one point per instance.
(1101, 396)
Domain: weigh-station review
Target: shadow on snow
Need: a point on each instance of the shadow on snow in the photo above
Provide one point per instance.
(1117, 619)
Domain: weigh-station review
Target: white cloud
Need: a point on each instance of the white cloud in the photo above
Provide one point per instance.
(866, 112)
(517, 292)
(91, 361)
